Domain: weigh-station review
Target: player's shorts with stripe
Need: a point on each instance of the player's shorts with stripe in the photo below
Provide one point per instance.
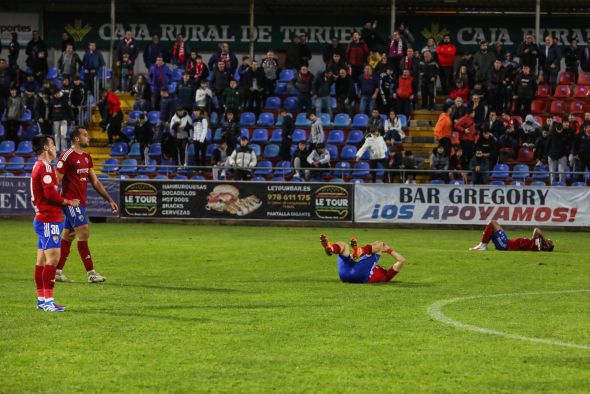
(500, 239)
(49, 234)
(356, 272)
(74, 217)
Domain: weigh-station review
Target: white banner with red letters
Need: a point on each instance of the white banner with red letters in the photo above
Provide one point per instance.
(466, 204)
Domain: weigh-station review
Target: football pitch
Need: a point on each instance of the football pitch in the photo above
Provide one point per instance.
(193, 308)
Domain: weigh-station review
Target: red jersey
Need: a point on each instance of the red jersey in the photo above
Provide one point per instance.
(524, 244)
(44, 195)
(75, 168)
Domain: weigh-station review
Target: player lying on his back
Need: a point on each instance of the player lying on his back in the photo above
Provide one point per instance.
(359, 264)
(496, 234)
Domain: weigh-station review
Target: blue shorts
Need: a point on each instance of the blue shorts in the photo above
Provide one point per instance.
(74, 217)
(49, 234)
(356, 272)
(500, 239)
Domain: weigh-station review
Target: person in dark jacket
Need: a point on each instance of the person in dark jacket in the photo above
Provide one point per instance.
(370, 36)
(77, 100)
(368, 87)
(15, 109)
(304, 84)
(143, 94)
(66, 39)
(356, 55)
(487, 144)
(321, 91)
(6, 81)
(558, 148)
(254, 88)
(69, 63)
(293, 57)
(13, 49)
(300, 159)
(572, 56)
(525, 88)
(232, 97)
(92, 62)
(128, 46)
(185, 93)
(167, 109)
(496, 87)
(40, 66)
(226, 56)
(60, 115)
(528, 52)
(219, 82)
(35, 46)
(549, 61)
(331, 49)
(345, 93)
(582, 153)
(480, 168)
(428, 70)
(230, 131)
(152, 51)
(143, 134)
(287, 135)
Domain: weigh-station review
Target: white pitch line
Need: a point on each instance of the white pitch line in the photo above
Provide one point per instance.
(435, 311)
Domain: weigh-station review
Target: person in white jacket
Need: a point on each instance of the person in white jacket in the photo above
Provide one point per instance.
(204, 96)
(180, 126)
(243, 159)
(199, 136)
(393, 130)
(318, 161)
(377, 148)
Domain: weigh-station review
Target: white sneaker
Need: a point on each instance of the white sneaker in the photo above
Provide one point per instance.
(61, 277)
(95, 277)
(407, 181)
(479, 247)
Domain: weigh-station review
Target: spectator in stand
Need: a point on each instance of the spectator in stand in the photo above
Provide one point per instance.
(394, 133)
(159, 77)
(585, 57)
(495, 125)
(397, 50)
(582, 153)
(374, 59)
(497, 85)
(374, 122)
(405, 34)
(336, 63)
(574, 123)
(220, 82)
(318, 161)
(404, 94)
(254, 88)
(317, 131)
(383, 65)
(430, 47)
(572, 56)
(66, 39)
(243, 160)
(446, 59)
(286, 135)
(293, 56)
(394, 161)
(528, 53)
(549, 61)
(35, 46)
(460, 90)
(467, 133)
(181, 126)
(180, 52)
(226, 56)
(439, 163)
(458, 109)
(368, 87)
(126, 73)
(321, 91)
(197, 69)
(345, 93)
(356, 55)
(479, 109)
(464, 76)
(143, 93)
(559, 143)
(509, 138)
(525, 88)
(66, 87)
(232, 97)
(60, 115)
(387, 84)
(458, 165)
(304, 50)
(143, 135)
(152, 51)
(230, 131)
(370, 36)
(15, 109)
(480, 168)
(411, 62)
(300, 159)
(5, 84)
(304, 84)
(428, 73)
(240, 74)
(204, 97)
(167, 108)
(483, 62)
(114, 116)
(198, 136)
(40, 66)
(77, 98)
(487, 144)
(219, 160)
(270, 66)
(13, 49)
(128, 46)
(529, 131)
(93, 62)
(331, 49)
(378, 152)
(444, 128)
(185, 93)
(498, 51)
(69, 63)
(586, 121)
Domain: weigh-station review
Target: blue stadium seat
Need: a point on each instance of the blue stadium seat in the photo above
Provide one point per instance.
(2, 132)
(497, 183)
(153, 117)
(284, 168)
(437, 182)
(538, 183)
(102, 176)
(403, 120)
(31, 131)
(263, 168)
(457, 182)
(579, 184)
(357, 180)
(29, 164)
(277, 136)
(518, 183)
(119, 149)
(245, 131)
(520, 171)
(142, 176)
(291, 103)
(217, 135)
(15, 164)
(259, 179)
(301, 120)
(134, 151)
(27, 116)
(501, 171)
(198, 178)
(541, 172)
(3, 162)
(325, 118)
(362, 169)
(342, 169)
(348, 152)
(210, 149)
(333, 150)
(342, 120)
(271, 151)
(134, 116)
(297, 179)
(177, 75)
(247, 119)
(213, 119)
(260, 136)
(336, 180)
(24, 148)
(161, 177)
(110, 165)
(299, 135)
(277, 179)
(558, 183)
(272, 103)
(167, 167)
(128, 132)
(181, 177)
(172, 88)
(51, 74)
(355, 137)
(7, 147)
(287, 75)
(266, 119)
(336, 137)
(257, 149)
(360, 120)
(155, 151)
(129, 166)
(281, 88)
(150, 168)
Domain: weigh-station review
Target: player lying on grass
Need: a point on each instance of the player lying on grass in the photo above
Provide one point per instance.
(359, 264)
(496, 234)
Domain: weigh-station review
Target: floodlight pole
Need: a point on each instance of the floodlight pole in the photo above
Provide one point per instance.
(392, 16)
(111, 56)
(251, 30)
(538, 22)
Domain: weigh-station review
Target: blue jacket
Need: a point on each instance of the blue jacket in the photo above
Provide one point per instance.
(185, 95)
(159, 77)
(167, 108)
(367, 86)
(93, 61)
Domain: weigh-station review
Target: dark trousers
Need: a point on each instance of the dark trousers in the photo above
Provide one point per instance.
(522, 106)
(446, 143)
(404, 106)
(114, 127)
(200, 153)
(254, 100)
(242, 175)
(428, 94)
(12, 127)
(285, 151)
(181, 144)
(373, 165)
(580, 166)
(550, 76)
(446, 79)
(468, 149)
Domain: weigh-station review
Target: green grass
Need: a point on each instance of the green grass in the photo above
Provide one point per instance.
(244, 309)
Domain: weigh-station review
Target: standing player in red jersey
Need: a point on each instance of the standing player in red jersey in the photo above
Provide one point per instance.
(48, 222)
(74, 169)
(495, 233)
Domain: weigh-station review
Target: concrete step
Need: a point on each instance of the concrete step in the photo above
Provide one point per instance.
(422, 123)
(420, 140)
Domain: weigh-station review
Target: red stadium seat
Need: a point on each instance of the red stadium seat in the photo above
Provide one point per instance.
(539, 106)
(566, 78)
(544, 91)
(558, 107)
(562, 91)
(581, 91)
(577, 107)
(584, 78)
(539, 119)
(525, 155)
(517, 119)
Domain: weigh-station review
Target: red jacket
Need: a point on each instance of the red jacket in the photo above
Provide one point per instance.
(404, 87)
(446, 54)
(356, 54)
(466, 128)
(113, 103)
(463, 93)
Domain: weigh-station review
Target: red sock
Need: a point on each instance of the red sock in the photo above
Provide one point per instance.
(336, 248)
(65, 252)
(85, 255)
(367, 249)
(487, 234)
(49, 280)
(39, 280)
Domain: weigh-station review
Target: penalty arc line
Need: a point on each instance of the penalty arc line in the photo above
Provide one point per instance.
(435, 311)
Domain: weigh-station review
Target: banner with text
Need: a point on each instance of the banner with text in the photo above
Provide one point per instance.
(20, 23)
(236, 200)
(446, 204)
(15, 197)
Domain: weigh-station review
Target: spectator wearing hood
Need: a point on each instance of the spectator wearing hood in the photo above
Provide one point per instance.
(529, 131)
